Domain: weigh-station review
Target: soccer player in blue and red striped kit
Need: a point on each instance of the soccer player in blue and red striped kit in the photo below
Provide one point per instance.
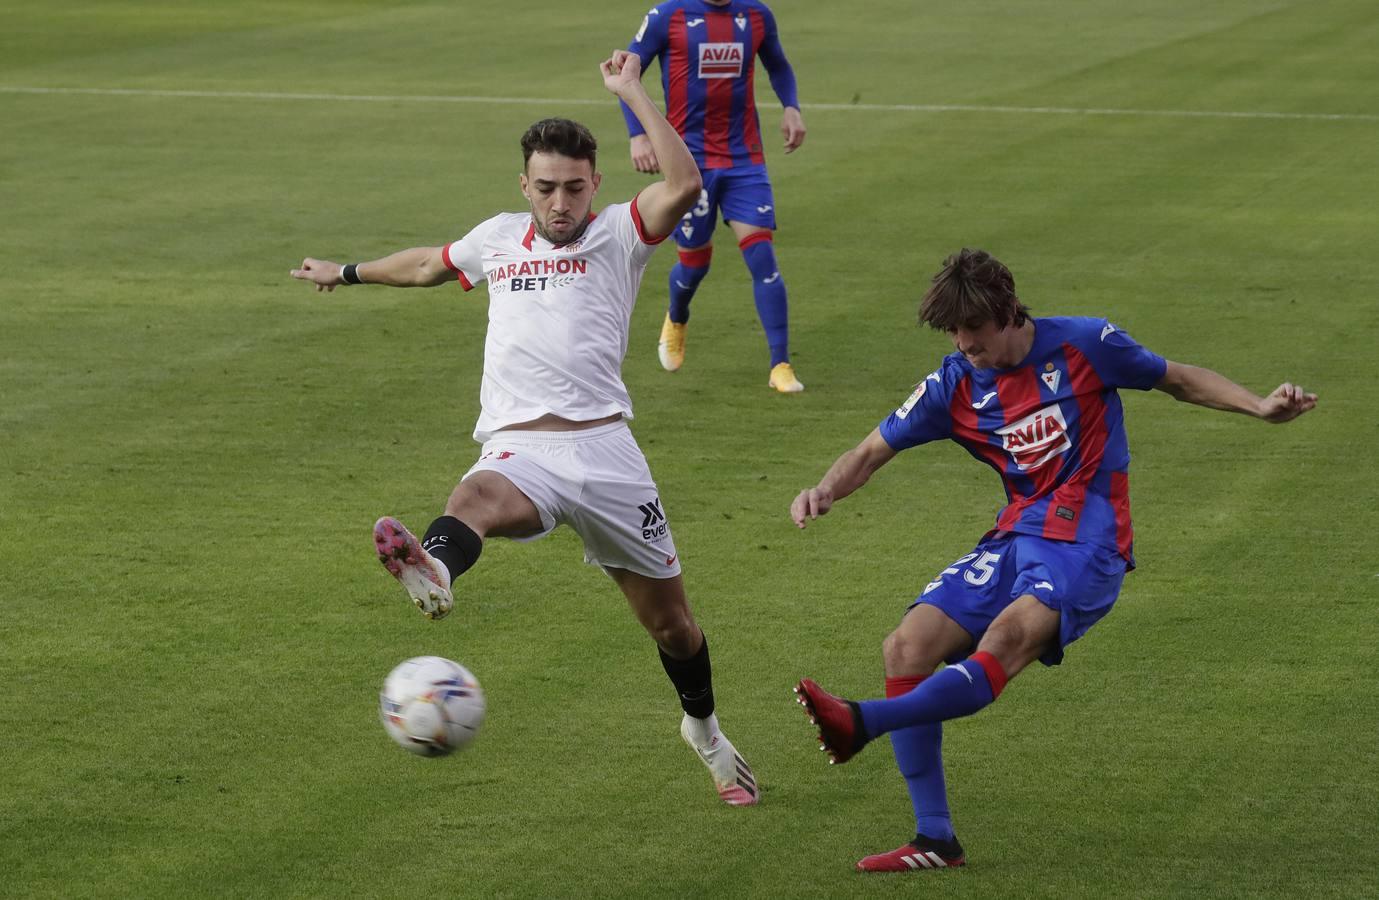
(1035, 399)
(708, 51)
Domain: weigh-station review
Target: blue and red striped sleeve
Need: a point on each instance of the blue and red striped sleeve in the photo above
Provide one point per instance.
(649, 43)
(1119, 359)
(777, 66)
(925, 415)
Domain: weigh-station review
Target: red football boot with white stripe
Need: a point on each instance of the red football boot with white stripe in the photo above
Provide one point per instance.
(921, 853)
(841, 734)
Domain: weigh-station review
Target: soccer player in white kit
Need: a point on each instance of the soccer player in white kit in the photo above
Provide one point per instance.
(556, 447)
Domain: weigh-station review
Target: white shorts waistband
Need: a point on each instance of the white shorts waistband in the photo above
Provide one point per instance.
(558, 437)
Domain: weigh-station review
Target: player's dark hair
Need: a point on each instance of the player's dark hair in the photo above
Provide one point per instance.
(559, 136)
(971, 289)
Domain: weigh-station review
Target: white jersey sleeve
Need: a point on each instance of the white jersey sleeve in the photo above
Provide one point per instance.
(465, 257)
(631, 233)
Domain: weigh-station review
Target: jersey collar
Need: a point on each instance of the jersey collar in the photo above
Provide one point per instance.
(530, 237)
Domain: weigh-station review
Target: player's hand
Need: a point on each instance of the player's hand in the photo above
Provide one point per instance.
(622, 72)
(1287, 402)
(792, 129)
(643, 156)
(810, 504)
(321, 272)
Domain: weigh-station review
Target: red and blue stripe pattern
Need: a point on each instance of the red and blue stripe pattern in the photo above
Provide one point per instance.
(1053, 428)
(708, 64)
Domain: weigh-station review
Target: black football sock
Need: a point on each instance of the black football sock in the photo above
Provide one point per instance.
(453, 543)
(693, 680)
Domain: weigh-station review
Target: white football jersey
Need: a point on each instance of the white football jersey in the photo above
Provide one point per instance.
(557, 316)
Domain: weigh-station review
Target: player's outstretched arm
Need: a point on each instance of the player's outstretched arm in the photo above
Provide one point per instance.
(848, 473)
(662, 204)
(1194, 384)
(417, 267)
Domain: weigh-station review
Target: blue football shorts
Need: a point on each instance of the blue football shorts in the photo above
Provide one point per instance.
(743, 194)
(1079, 581)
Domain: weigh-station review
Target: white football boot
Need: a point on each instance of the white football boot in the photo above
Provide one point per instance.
(423, 576)
(731, 775)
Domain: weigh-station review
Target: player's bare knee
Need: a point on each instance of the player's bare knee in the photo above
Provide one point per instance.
(1013, 645)
(907, 653)
(462, 500)
(1002, 639)
(677, 635)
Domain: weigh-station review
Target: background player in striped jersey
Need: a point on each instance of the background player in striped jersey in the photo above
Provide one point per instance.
(1036, 400)
(708, 51)
(556, 447)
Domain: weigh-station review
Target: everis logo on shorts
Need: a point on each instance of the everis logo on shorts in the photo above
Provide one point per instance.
(1037, 438)
(653, 520)
(720, 60)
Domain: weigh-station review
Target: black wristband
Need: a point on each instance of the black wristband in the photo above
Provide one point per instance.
(350, 274)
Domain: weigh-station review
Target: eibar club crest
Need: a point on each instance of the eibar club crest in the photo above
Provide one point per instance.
(1050, 380)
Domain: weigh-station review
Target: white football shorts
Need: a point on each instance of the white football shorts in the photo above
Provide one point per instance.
(597, 482)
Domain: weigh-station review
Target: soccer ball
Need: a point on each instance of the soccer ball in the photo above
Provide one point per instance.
(431, 705)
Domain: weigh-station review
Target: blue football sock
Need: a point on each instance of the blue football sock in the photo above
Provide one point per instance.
(958, 690)
(919, 756)
(685, 276)
(768, 290)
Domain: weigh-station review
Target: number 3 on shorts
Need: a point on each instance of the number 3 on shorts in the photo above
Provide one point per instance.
(701, 209)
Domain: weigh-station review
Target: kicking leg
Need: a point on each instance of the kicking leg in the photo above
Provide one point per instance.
(662, 608)
(1016, 637)
(483, 504)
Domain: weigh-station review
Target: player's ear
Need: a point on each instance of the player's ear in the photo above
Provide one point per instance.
(522, 180)
(598, 177)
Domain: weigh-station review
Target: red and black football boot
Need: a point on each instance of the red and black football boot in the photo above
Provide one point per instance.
(840, 721)
(921, 853)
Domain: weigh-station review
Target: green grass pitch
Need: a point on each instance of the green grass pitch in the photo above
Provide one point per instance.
(193, 448)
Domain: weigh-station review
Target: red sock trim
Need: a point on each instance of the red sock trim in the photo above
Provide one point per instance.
(696, 259)
(899, 685)
(756, 237)
(994, 673)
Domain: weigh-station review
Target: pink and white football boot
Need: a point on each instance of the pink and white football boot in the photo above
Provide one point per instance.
(422, 575)
(733, 778)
